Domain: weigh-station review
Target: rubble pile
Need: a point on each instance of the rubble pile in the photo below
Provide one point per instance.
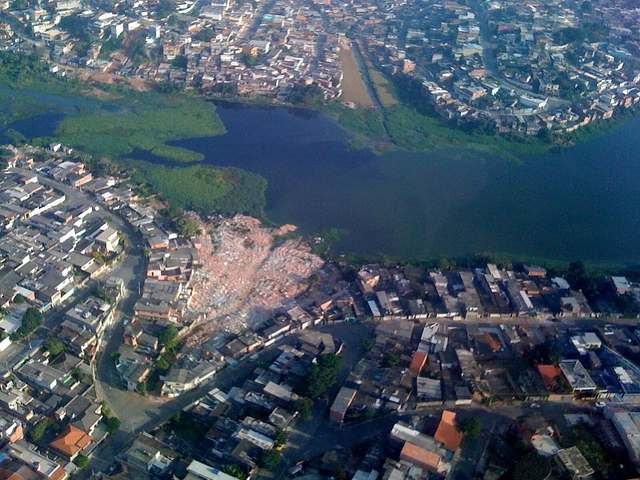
(244, 275)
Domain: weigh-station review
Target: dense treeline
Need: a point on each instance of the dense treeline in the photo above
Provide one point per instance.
(16, 70)
(307, 95)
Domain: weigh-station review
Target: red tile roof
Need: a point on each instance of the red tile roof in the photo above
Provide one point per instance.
(71, 441)
(419, 456)
(549, 374)
(417, 362)
(447, 432)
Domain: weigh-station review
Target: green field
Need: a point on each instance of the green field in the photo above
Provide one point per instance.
(384, 88)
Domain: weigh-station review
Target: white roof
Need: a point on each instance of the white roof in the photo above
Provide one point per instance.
(206, 472)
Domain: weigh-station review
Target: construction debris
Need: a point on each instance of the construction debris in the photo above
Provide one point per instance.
(248, 270)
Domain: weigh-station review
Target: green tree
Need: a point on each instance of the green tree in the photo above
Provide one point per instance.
(323, 374)
(106, 409)
(340, 474)
(79, 375)
(547, 353)
(303, 406)
(168, 337)
(54, 346)
(249, 60)
(366, 344)
(205, 35)
(281, 436)
(270, 459)
(180, 62)
(113, 424)
(19, 299)
(390, 360)
(19, 5)
(308, 95)
(31, 320)
(164, 8)
(471, 426)
(187, 226)
(38, 431)
(142, 388)
(234, 471)
(81, 462)
(162, 364)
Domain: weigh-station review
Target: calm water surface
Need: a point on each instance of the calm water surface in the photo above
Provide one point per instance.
(582, 203)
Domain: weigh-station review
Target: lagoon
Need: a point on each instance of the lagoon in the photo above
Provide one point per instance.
(580, 203)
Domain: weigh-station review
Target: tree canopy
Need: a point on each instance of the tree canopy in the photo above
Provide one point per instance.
(187, 226)
(168, 337)
(323, 375)
(270, 459)
(113, 424)
(303, 406)
(31, 320)
(307, 95)
(54, 346)
(471, 426)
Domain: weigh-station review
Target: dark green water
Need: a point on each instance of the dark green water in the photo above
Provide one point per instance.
(582, 203)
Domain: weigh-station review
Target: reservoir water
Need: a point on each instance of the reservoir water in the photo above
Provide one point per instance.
(581, 203)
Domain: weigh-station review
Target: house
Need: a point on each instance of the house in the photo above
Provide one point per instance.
(549, 374)
(428, 390)
(71, 442)
(134, 374)
(181, 380)
(620, 285)
(201, 471)
(41, 375)
(149, 455)
(341, 404)
(572, 460)
(577, 376)
(45, 468)
(421, 450)
(447, 432)
(418, 361)
(11, 429)
(108, 239)
(421, 457)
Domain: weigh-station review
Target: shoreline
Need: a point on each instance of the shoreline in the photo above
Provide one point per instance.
(236, 103)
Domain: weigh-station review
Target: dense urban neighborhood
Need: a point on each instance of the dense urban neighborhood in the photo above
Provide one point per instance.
(140, 339)
(532, 68)
(131, 350)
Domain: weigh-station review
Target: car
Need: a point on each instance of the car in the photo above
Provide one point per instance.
(534, 405)
(600, 404)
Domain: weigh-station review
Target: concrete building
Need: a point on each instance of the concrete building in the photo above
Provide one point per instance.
(341, 404)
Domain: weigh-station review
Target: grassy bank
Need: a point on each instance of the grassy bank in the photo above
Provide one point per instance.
(17, 107)
(204, 188)
(361, 122)
(415, 131)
